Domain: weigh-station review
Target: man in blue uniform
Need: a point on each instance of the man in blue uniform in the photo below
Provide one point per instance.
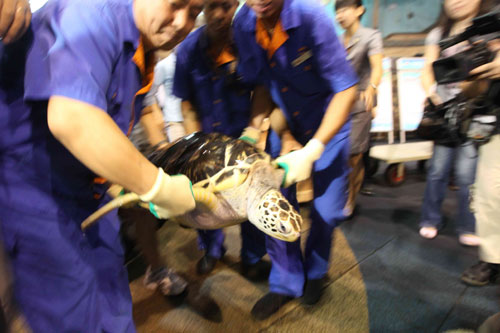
(217, 98)
(291, 45)
(70, 89)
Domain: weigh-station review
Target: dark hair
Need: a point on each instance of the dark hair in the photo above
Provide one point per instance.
(348, 3)
(445, 23)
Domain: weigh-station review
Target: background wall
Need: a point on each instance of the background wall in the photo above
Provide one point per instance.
(397, 16)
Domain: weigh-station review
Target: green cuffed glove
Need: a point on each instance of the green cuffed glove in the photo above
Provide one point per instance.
(298, 164)
(250, 135)
(170, 196)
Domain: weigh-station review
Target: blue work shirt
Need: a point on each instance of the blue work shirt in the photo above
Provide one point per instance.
(66, 52)
(222, 99)
(304, 66)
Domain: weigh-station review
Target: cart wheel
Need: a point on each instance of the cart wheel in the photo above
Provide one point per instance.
(372, 167)
(395, 174)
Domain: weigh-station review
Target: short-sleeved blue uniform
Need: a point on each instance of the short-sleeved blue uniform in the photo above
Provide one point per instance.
(303, 65)
(222, 98)
(85, 50)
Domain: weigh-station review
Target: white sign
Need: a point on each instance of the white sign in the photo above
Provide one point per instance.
(411, 94)
(383, 122)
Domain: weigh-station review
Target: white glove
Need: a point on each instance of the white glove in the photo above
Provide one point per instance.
(298, 164)
(170, 196)
(250, 135)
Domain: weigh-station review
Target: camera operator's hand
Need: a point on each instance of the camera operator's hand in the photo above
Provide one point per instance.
(489, 71)
(15, 17)
(435, 99)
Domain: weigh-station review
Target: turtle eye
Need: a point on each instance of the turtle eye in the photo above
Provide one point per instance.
(284, 228)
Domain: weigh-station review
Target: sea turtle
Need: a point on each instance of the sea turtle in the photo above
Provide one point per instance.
(244, 185)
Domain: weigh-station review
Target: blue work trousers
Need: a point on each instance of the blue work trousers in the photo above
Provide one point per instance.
(330, 178)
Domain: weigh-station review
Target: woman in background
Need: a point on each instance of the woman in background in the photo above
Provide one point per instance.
(364, 52)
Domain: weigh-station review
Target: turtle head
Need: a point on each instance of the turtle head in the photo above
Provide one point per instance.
(267, 208)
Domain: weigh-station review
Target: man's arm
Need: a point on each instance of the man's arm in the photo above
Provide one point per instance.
(191, 121)
(93, 137)
(152, 116)
(261, 108)
(153, 125)
(280, 126)
(336, 114)
(331, 64)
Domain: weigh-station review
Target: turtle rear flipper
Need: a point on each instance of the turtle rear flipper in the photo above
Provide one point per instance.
(275, 216)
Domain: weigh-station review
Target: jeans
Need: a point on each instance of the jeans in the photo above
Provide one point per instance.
(463, 159)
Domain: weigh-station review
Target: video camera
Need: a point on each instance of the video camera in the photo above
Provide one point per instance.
(457, 67)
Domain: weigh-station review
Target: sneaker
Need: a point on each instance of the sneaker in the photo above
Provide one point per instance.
(168, 281)
(469, 240)
(428, 232)
(480, 274)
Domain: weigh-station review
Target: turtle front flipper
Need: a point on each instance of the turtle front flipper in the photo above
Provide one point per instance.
(275, 216)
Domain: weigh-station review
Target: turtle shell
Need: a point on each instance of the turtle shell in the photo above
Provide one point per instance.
(209, 159)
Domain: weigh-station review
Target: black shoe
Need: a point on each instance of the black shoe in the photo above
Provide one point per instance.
(256, 272)
(480, 274)
(313, 291)
(367, 191)
(268, 305)
(206, 264)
